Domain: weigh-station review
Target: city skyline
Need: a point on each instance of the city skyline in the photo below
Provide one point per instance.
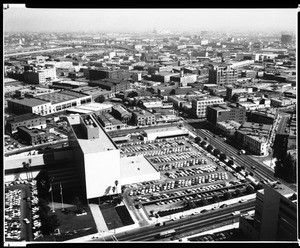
(21, 19)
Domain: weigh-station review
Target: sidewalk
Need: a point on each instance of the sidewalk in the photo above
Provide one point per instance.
(98, 217)
(219, 229)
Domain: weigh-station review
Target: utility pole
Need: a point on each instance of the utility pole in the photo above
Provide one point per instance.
(51, 190)
(61, 195)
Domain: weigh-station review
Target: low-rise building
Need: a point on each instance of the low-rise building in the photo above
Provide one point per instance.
(228, 127)
(254, 137)
(26, 120)
(108, 122)
(142, 117)
(114, 85)
(200, 104)
(121, 113)
(218, 113)
(283, 101)
(48, 103)
(31, 136)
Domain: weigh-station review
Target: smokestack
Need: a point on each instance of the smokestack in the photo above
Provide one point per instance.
(181, 72)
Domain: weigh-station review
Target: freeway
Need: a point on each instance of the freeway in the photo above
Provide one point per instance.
(261, 172)
(186, 225)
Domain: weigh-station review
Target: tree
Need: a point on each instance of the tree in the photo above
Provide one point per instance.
(190, 205)
(203, 143)
(238, 192)
(217, 152)
(49, 224)
(223, 156)
(215, 198)
(203, 202)
(101, 99)
(197, 139)
(172, 92)
(227, 195)
(250, 189)
(132, 94)
(116, 184)
(230, 163)
(209, 148)
(78, 204)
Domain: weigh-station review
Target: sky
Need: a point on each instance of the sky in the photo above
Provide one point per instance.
(20, 19)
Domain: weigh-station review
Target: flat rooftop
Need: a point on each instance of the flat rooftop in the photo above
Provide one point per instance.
(101, 144)
(135, 166)
(162, 129)
(30, 102)
(24, 117)
(63, 96)
(93, 106)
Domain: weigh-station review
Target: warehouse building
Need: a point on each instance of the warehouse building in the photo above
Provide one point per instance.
(28, 120)
(48, 103)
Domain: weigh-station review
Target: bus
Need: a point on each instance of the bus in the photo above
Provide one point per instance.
(166, 234)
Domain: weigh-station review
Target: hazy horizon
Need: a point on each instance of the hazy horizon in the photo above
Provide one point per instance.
(21, 19)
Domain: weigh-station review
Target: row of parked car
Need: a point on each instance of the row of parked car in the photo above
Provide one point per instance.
(176, 157)
(175, 165)
(12, 225)
(191, 171)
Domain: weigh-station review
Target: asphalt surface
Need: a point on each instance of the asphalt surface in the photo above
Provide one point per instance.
(261, 172)
(186, 225)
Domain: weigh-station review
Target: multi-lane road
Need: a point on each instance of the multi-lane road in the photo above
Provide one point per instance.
(261, 172)
(184, 226)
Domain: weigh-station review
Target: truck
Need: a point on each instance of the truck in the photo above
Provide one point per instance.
(161, 224)
(235, 213)
(242, 152)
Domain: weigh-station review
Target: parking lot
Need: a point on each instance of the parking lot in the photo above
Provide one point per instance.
(188, 173)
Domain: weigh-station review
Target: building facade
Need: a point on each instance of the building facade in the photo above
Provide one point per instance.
(275, 217)
(26, 120)
(199, 105)
(217, 113)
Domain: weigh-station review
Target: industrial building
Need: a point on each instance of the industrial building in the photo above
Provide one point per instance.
(102, 73)
(28, 120)
(113, 85)
(48, 103)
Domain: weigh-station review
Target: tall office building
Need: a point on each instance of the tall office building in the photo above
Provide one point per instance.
(222, 74)
(275, 217)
